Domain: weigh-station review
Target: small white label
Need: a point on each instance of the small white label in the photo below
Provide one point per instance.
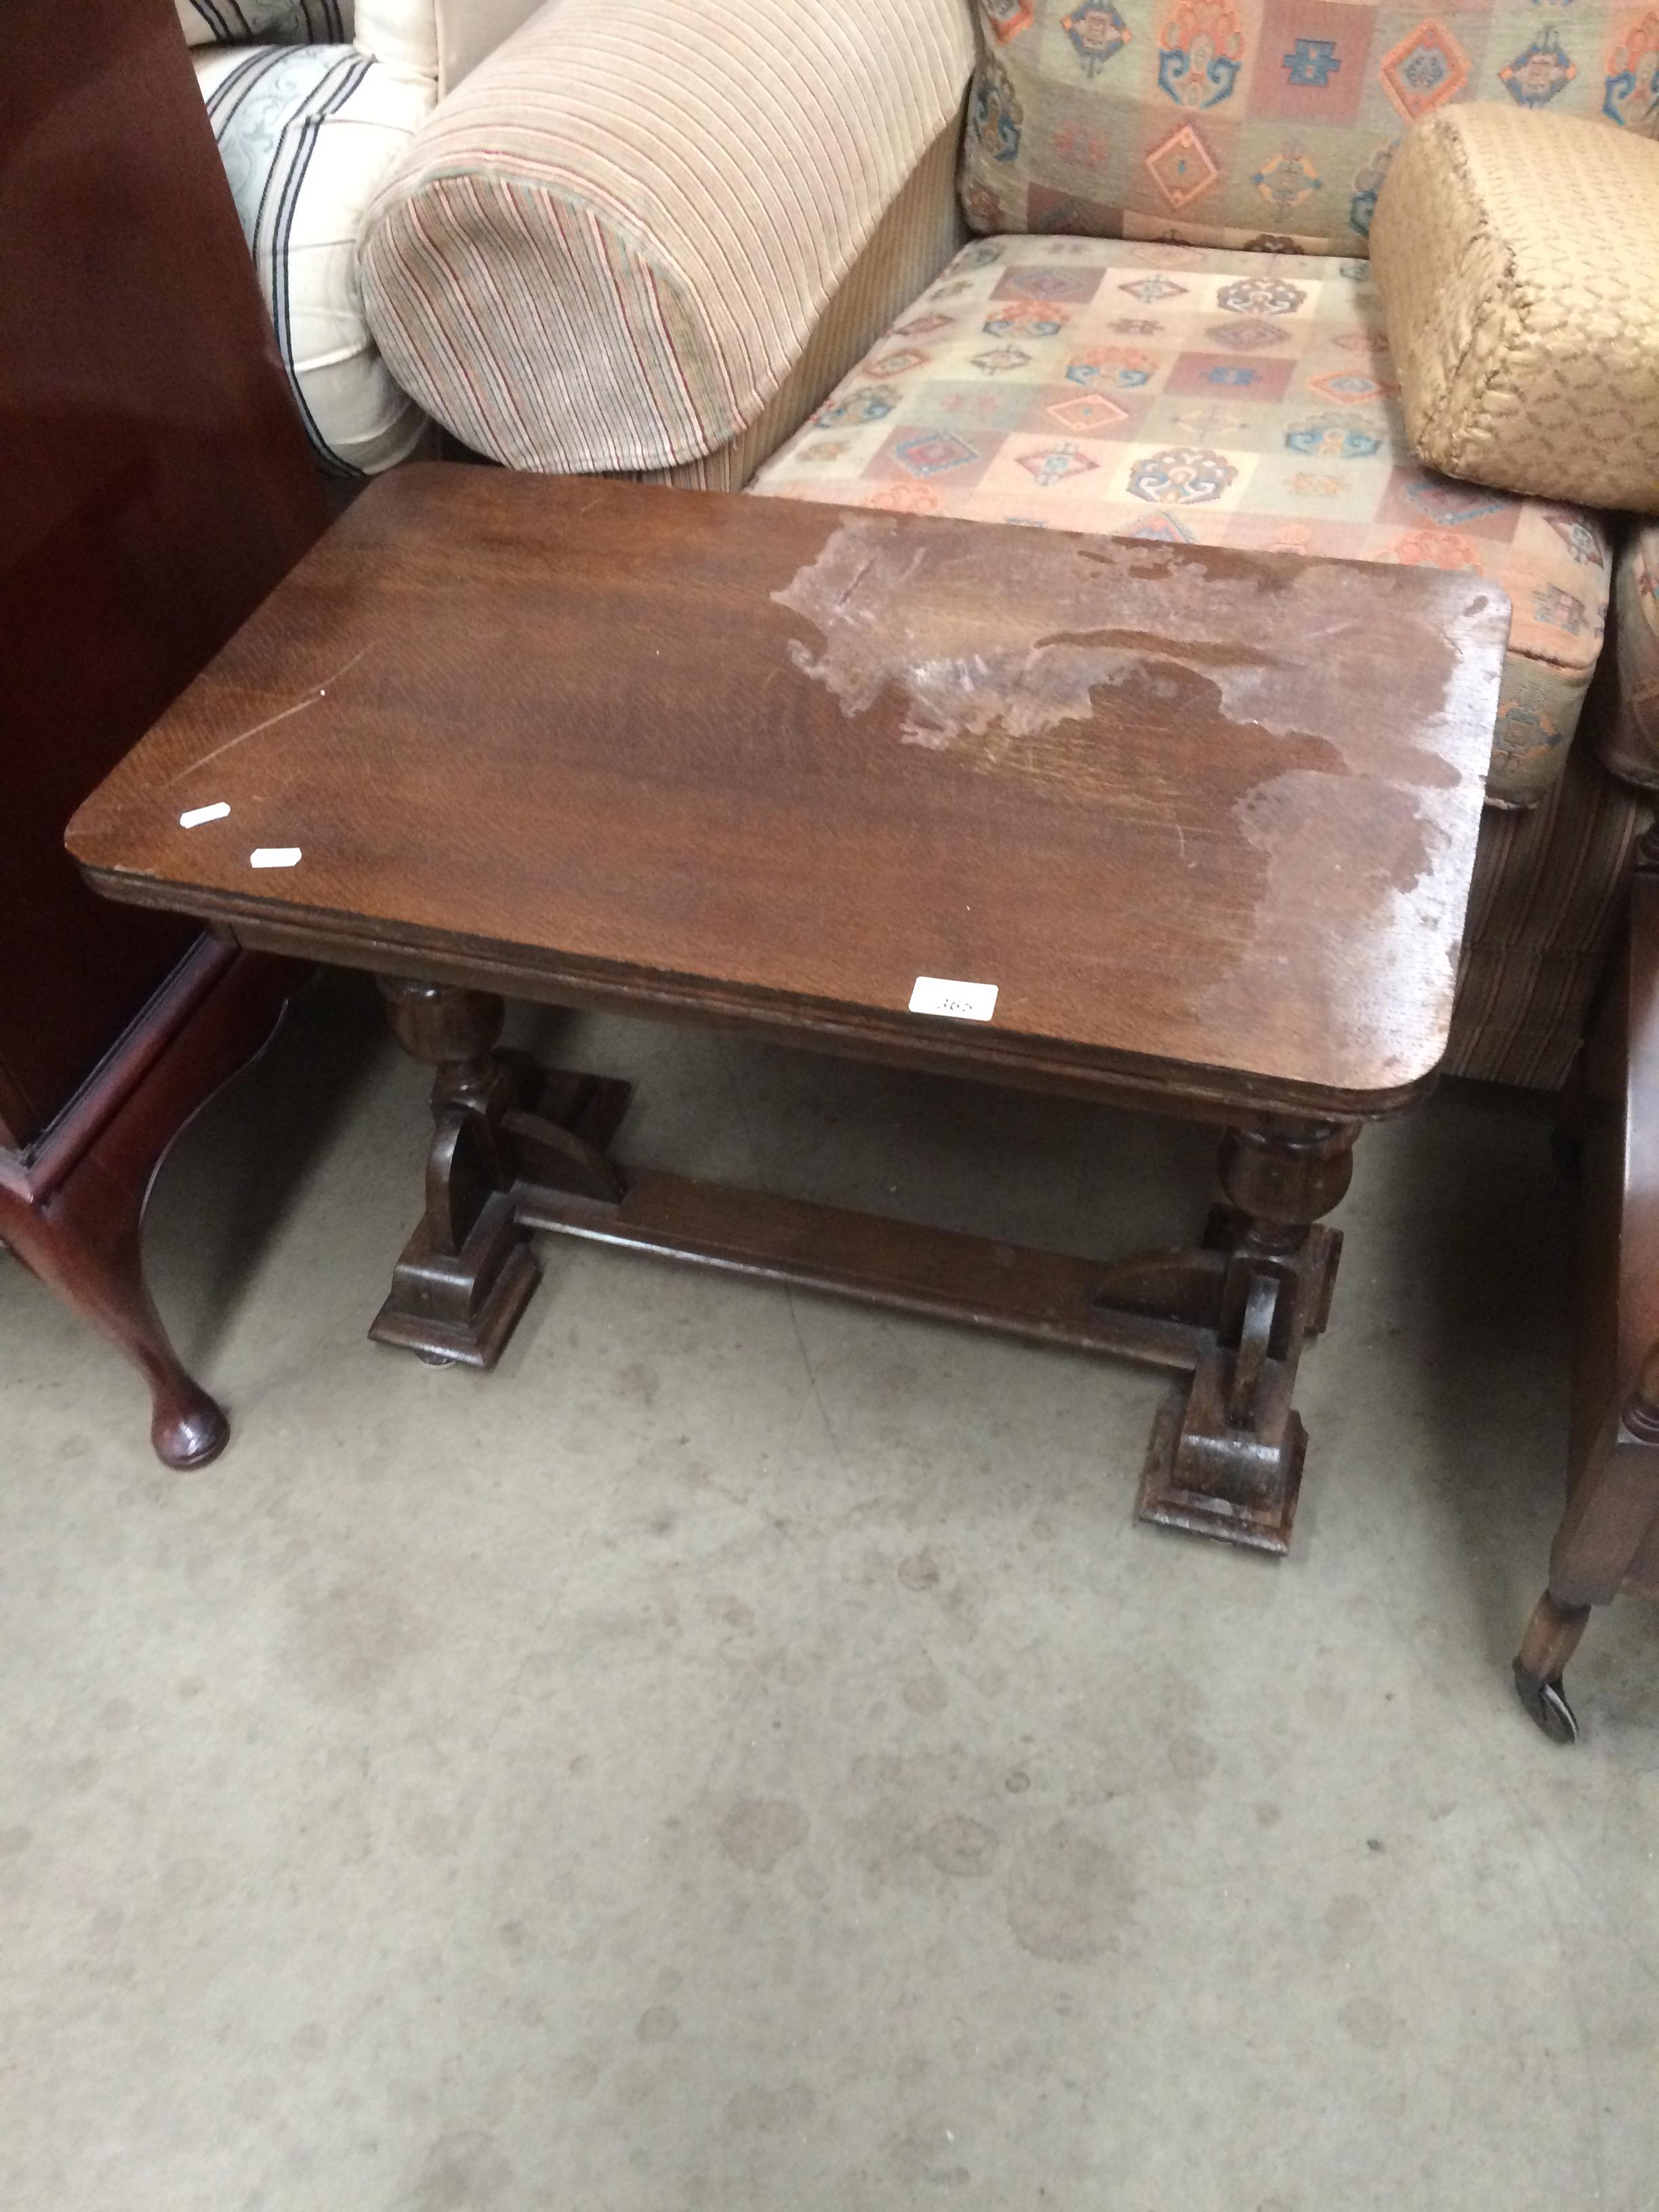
(197, 815)
(274, 856)
(964, 1002)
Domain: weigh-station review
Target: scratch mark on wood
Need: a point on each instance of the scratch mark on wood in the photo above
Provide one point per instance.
(270, 721)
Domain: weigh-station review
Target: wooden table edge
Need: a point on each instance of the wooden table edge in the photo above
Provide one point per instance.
(1012, 1057)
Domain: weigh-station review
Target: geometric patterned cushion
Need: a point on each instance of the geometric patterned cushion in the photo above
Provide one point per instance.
(1218, 121)
(1195, 395)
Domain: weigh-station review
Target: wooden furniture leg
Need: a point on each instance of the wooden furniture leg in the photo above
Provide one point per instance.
(467, 1273)
(1550, 1639)
(516, 1150)
(1226, 1458)
(72, 1210)
(85, 1243)
(1609, 1539)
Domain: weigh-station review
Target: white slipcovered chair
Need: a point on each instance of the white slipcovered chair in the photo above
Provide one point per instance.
(313, 102)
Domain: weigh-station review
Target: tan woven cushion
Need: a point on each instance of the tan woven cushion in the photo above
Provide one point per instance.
(1518, 260)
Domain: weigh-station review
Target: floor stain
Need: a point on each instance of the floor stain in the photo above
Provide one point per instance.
(959, 1845)
(1068, 1897)
(760, 2110)
(1348, 1920)
(926, 1694)
(757, 1831)
(638, 1382)
(463, 2172)
(356, 1638)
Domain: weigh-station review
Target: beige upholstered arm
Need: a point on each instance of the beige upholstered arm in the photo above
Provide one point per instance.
(613, 242)
(468, 30)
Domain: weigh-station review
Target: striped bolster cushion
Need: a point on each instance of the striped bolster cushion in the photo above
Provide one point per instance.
(613, 242)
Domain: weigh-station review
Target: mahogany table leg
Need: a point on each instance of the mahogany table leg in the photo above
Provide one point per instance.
(85, 1243)
(73, 1211)
(1226, 1459)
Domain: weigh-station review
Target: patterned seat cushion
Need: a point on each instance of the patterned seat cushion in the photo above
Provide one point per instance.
(1198, 395)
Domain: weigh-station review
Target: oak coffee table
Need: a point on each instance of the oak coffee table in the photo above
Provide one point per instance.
(1153, 824)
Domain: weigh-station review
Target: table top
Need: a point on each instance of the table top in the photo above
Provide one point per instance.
(1182, 806)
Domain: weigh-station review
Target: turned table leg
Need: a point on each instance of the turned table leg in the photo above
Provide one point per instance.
(467, 1273)
(1611, 1513)
(504, 1130)
(1226, 1459)
(1550, 1639)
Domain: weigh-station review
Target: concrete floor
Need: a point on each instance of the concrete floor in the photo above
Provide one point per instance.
(743, 1756)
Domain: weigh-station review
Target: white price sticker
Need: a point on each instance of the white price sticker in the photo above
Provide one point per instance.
(964, 1002)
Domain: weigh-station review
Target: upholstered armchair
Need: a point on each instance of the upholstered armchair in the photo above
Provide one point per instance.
(1091, 264)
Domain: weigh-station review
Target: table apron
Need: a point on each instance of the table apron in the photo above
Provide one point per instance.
(1215, 1096)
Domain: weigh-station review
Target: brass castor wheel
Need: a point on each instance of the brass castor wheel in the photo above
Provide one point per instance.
(1547, 1702)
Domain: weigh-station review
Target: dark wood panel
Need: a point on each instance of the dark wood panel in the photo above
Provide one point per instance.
(1193, 807)
(1608, 1538)
(154, 485)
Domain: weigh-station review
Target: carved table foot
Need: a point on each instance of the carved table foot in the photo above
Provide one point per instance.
(1226, 1458)
(466, 1274)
